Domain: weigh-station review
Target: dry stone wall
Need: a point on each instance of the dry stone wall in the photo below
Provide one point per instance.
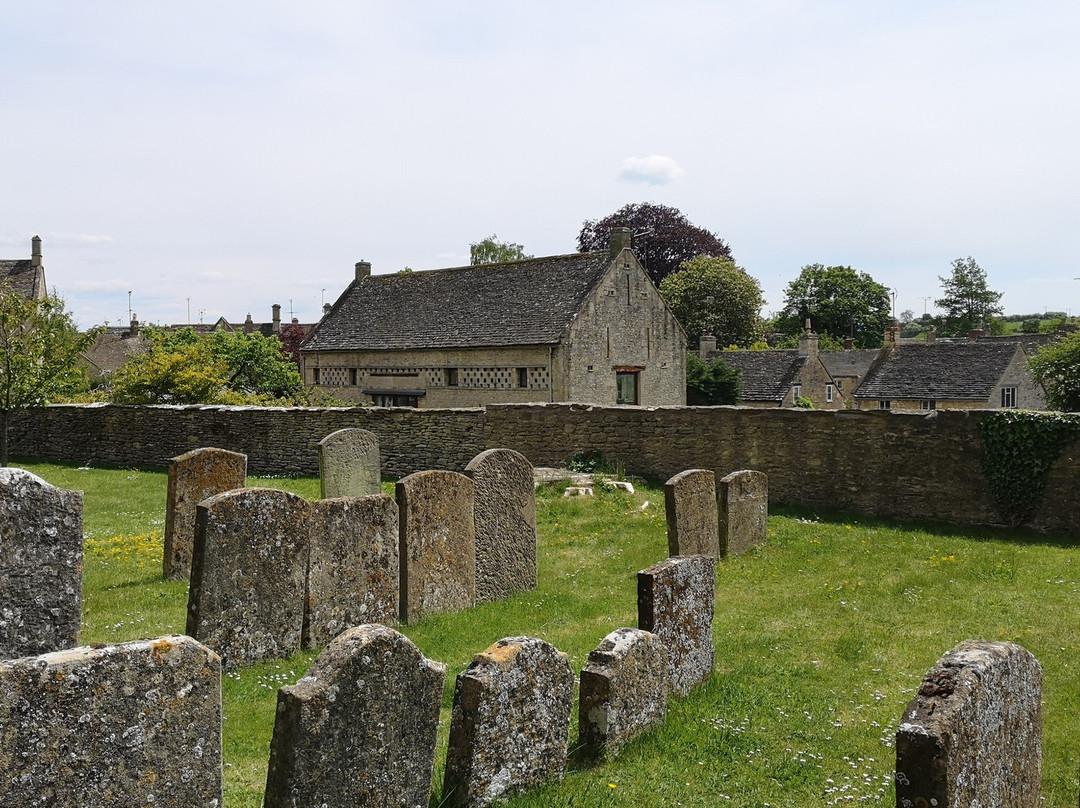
(907, 465)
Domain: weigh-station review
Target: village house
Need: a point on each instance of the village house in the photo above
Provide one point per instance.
(584, 327)
(25, 275)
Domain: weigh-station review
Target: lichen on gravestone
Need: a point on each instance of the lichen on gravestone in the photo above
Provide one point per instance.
(743, 506)
(349, 464)
(691, 509)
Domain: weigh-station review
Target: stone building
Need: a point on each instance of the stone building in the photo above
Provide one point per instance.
(25, 275)
(586, 327)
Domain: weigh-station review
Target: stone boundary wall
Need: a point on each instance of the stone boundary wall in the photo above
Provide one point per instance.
(892, 464)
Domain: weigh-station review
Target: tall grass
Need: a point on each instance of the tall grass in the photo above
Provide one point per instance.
(822, 637)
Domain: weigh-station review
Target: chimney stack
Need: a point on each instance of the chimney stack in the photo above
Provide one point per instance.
(249, 324)
(706, 345)
(326, 309)
(849, 344)
(619, 240)
(808, 341)
(931, 335)
(35, 251)
(892, 334)
(363, 270)
(134, 324)
(275, 326)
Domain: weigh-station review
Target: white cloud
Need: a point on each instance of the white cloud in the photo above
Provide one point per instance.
(656, 169)
(76, 238)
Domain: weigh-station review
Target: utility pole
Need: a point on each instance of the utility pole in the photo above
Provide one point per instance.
(924, 300)
(188, 320)
(129, 306)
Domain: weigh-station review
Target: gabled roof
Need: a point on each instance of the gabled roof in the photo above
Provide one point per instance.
(766, 375)
(23, 277)
(939, 371)
(529, 302)
(113, 347)
(848, 363)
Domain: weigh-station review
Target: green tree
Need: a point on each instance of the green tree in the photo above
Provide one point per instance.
(493, 251)
(713, 295)
(840, 301)
(711, 383)
(258, 365)
(967, 300)
(663, 237)
(39, 350)
(1057, 368)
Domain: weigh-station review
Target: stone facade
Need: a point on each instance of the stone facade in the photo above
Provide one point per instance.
(743, 504)
(131, 724)
(624, 690)
(973, 733)
(359, 728)
(437, 554)
(510, 723)
(675, 602)
(505, 518)
(867, 462)
(41, 565)
(349, 464)
(692, 521)
(193, 477)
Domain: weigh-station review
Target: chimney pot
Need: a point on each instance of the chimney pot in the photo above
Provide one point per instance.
(35, 251)
(363, 270)
(619, 240)
(276, 324)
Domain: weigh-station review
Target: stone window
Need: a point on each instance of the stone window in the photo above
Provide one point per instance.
(451, 377)
(929, 404)
(884, 404)
(626, 387)
(829, 393)
(392, 400)
(314, 375)
(840, 385)
(1008, 397)
(522, 377)
(796, 393)
(352, 376)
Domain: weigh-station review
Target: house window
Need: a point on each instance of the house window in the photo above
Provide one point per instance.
(884, 404)
(352, 376)
(840, 385)
(829, 392)
(626, 388)
(523, 377)
(796, 393)
(389, 400)
(314, 375)
(929, 404)
(1008, 397)
(451, 377)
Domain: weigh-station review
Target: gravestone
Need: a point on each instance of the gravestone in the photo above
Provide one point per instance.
(352, 573)
(359, 728)
(41, 565)
(505, 514)
(510, 721)
(675, 602)
(193, 477)
(248, 571)
(131, 724)
(973, 733)
(437, 551)
(349, 464)
(692, 522)
(624, 690)
(743, 505)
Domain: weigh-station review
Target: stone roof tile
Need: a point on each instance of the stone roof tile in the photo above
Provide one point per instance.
(939, 371)
(766, 375)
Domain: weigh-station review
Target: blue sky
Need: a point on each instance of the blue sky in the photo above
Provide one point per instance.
(242, 154)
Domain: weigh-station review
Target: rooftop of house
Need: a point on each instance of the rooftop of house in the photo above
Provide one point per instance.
(25, 275)
(530, 302)
(766, 375)
(960, 371)
(845, 363)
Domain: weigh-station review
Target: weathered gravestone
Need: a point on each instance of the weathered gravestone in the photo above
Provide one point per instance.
(690, 502)
(973, 733)
(624, 690)
(193, 477)
(131, 724)
(675, 602)
(349, 464)
(248, 571)
(437, 552)
(41, 565)
(505, 514)
(743, 505)
(352, 573)
(510, 722)
(359, 728)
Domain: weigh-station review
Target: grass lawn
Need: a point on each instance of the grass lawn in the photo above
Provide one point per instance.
(822, 638)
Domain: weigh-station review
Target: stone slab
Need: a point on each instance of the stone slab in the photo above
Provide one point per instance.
(41, 565)
(193, 477)
(624, 690)
(692, 520)
(505, 514)
(352, 575)
(973, 733)
(134, 724)
(359, 728)
(743, 503)
(349, 464)
(248, 571)
(437, 550)
(676, 601)
(510, 722)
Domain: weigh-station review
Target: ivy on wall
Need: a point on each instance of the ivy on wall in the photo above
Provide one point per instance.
(1019, 447)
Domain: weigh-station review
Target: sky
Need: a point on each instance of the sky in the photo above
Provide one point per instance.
(188, 161)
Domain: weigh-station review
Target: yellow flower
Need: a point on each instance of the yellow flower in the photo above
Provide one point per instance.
(612, 785)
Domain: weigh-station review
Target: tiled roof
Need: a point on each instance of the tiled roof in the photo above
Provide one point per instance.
(21, 276)
(113, 347)
(529, 302)
(766, 375)
(848, 363)
(939, 371)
